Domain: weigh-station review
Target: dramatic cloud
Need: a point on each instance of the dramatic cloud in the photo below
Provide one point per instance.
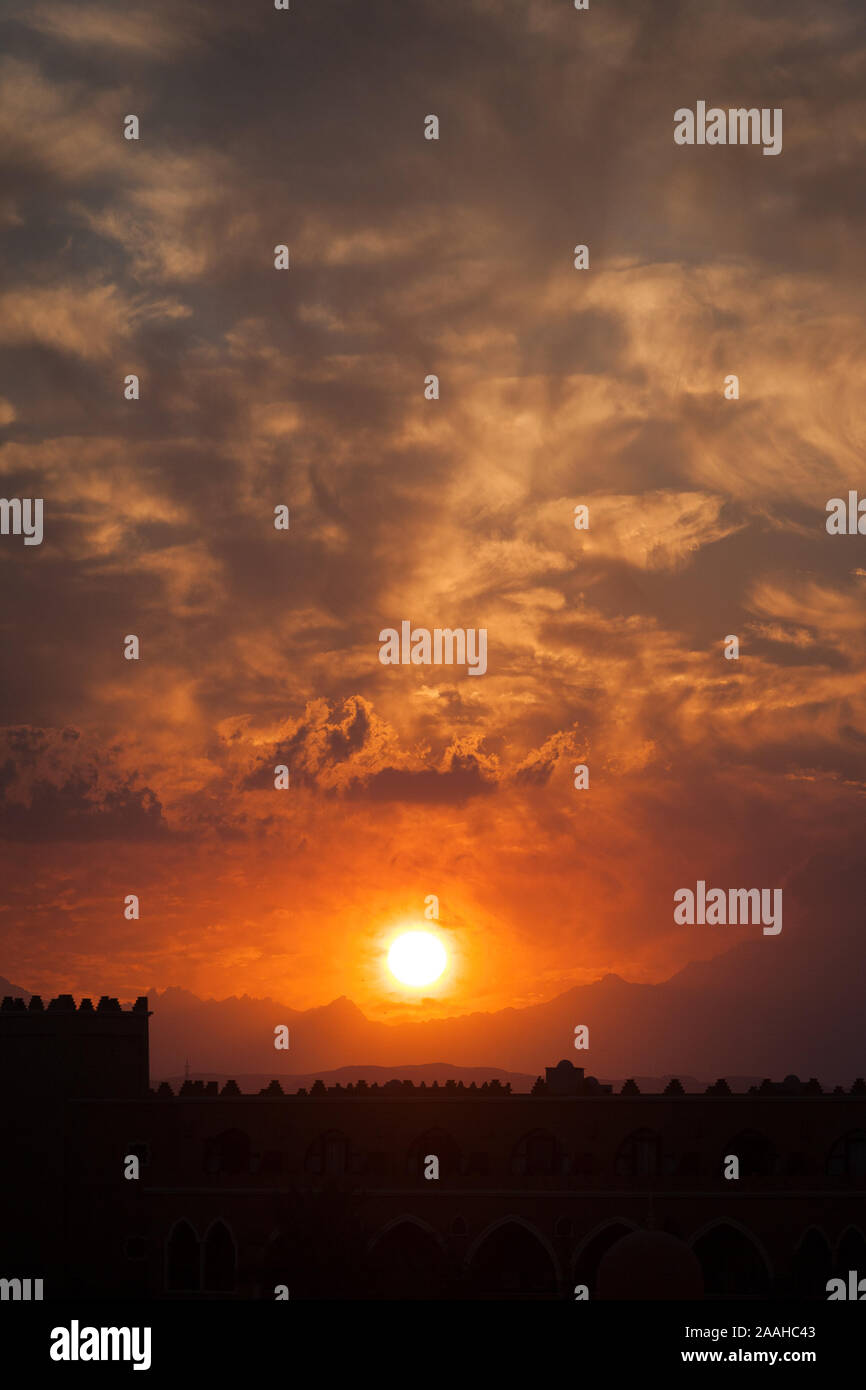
(50, 789)
(559, 388)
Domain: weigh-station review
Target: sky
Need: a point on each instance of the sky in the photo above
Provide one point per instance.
(304, 388)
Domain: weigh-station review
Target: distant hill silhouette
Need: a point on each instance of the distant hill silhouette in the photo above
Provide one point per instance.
(738, 1014)
(741, 1014)
(520, 1082)
(428, 1072)
(14, 991)
(768, 1006)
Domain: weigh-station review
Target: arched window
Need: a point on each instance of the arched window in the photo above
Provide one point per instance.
(732, 1263)
(440, 1143)
(847, 1158)
(183, 1272)
(219, 1259)
(639, 1155)
(537, 1155)
(328, 1154)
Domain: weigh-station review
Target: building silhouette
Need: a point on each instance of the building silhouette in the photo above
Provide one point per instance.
(324, 1194)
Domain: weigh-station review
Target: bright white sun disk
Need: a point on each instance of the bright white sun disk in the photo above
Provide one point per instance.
(417, 958)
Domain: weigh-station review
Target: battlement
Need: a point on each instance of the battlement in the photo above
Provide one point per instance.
(67, 1051)
(65, 1004)
(422, 1092)
(62, 1051)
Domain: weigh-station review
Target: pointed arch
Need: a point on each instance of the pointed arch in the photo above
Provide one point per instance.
(512, 1259)
(407, 1260)
(734, 1262)
(182, 1258)
(408, 1218)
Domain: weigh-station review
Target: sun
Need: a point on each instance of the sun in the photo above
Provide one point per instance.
(417, 958)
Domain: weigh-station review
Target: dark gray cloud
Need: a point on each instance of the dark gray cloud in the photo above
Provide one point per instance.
(51, 790)
(305, 388)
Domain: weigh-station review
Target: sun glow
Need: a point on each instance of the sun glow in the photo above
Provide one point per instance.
(417, 958)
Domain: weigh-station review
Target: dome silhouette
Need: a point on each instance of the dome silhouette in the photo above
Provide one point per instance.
(650, 1265)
